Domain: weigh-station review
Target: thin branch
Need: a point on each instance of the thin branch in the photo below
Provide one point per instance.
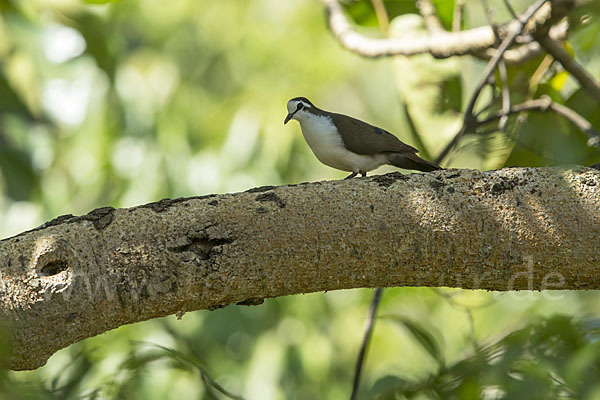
(469, 120)
(488, 15)
(510, 9)
(585, 79)
(429, 14)
(539, 73)
(506, 43)
(382, 15)
(457, 15)
(441, 44)
(417, 140)
(527, 51)
(505, 95)
(365, 343)
(545, 104)
(444, 153)
(489, 104)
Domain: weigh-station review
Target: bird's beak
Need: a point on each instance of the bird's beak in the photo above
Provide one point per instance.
(287, 119)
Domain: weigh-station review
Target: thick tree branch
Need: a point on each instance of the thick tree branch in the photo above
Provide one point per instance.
(440, 43)
(518, 228)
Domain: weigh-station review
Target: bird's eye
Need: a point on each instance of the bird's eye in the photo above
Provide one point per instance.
(300, 107)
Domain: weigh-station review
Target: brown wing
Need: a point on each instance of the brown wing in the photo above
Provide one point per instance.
(362, 138)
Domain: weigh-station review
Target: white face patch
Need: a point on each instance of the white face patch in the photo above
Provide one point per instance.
(292, 106)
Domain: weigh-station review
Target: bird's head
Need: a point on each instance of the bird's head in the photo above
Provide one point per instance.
(298, 108)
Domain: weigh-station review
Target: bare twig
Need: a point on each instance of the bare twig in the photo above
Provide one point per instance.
(417, 140)
(527, 51)
(559, 53)
(441, 44)
(382, 15)
(505, 95)
(489, 104)
(444, 153)
(506, 43)
(543, 104)
(539, 73)
(488, 15)
(429, 14)
(546, 104)
(365, 343)
(510, 9)
(469, 121)
(457, 15)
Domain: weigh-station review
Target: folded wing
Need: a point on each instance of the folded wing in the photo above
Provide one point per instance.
(362, 138)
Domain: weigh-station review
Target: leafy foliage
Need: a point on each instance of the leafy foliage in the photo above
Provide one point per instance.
(545, 359)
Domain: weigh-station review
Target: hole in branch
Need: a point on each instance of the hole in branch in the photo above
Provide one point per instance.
(54, 268)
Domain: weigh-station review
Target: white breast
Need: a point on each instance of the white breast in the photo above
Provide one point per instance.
(321, 135)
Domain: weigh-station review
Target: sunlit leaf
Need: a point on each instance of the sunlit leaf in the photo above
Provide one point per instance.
(559, 80)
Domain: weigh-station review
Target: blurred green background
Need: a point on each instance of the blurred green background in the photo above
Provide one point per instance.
(127, 102)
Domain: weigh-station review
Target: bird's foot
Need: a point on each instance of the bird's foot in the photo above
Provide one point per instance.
(352, 175)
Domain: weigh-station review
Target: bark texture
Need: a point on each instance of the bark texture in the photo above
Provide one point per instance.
(516, 228)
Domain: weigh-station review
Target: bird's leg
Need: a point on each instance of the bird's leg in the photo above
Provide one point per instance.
(352, 175)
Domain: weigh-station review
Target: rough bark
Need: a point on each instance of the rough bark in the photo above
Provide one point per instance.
(516, 228)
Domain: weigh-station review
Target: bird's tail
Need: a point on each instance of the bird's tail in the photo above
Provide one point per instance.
(412, 161)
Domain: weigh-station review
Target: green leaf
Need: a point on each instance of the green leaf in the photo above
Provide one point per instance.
(93, 29)
(585, 105)
(561, 142)
(422, 336)
(387, 386)
(451, 95)
(10, 102)
(19, 176)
